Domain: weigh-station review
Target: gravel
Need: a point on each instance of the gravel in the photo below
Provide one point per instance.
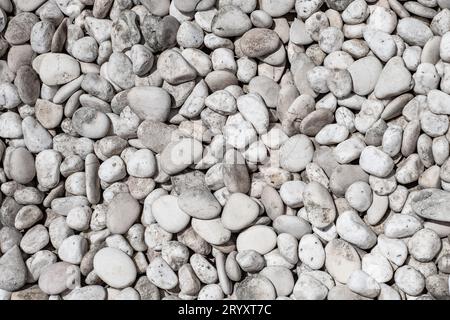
(272, 149)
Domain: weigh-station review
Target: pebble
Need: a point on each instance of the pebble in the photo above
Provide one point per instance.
(431, 204)
(58, 277)
(309, 288)
(57, 69)
(296, 153)
(311, 252)
(256, 287)
(319, 205)
(393, 80)
(239, 212)
(230, 21)
(259, 42)
(363, 284)
(114, 267)
(169, 215)
(341, 260)
(199, 203)
(212, 231)
(178, 155)
(376, 162)
(352, 228)
(123, 211)
(262, 239)
(13, 270)
(409, 280)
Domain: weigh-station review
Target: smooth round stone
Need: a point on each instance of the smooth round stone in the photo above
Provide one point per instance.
(394, 79)
(58, 68)
(239, 212)
(120, 70)
(221, 102)
(159, 33)
(149, 103)
(341, 292)
(36, 137)
(319, 205)
(174, 68)
(255, 287)
(22, 168)
(212, 231)
(260, 238)
(378, 267)
(291, 193)
(13, 271)
(272, 202)
(57, 277)
(48, 113)
(311, 252)
(27, 217)
(141, 164)
(199, 203)
(112, 170)
(401, 226)
(169, 215)
(293, 225)
(250, 261)
(123, 211)
(73, 249)
(376, 162)
(155, 135)
(352, 228)
(277, 8)
(27, 83)
(114, 267)
(210, 292)
(332, 134)
(296, 153)
(34, 239)
(309, 288)
(424, 245)
(178, 155)
(190, 35)
(90, 123)
(19, 28)
(92, 292)
(261, 19)
(409, 280)
(9, 95)
(203, 269)
(365, 73)
(431, 204)
(341, 260)
(10, 125)
(363, 284)
(394, 250)
(259, 42)
(161, 275)
(85, 49)
(414, 31)
(359, 196)
(281, 278)
(230, 21)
